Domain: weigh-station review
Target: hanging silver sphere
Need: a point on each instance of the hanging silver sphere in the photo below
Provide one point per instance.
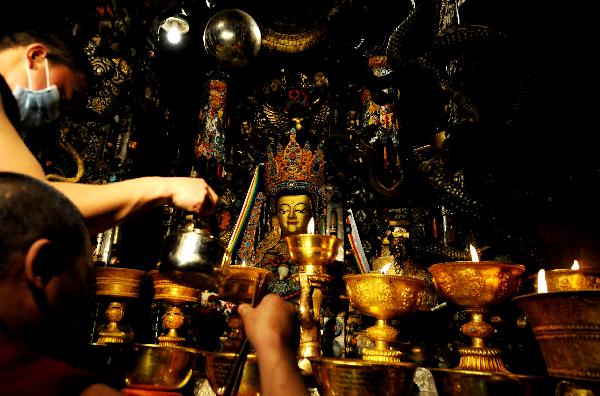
(232, 37)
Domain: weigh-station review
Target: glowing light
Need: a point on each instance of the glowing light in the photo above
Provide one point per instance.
(174, 35)
(384, 270)
(575, 265)
(474, 255)
(542, 287)
(311, 226)
(227, 35)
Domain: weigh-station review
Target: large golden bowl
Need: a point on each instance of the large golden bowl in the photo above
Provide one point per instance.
(242, 281)
(159, 368)
(452, 382)
(217, 366)
(355, 377)
(476, 284)
(384, 296)
(118, 282)
(312, 252)
(566, 324)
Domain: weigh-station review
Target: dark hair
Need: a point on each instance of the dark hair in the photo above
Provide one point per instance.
(31, 209)
(60, 49)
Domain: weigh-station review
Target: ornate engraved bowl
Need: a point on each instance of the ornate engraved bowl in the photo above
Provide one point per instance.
(118, 282)
(476, 284)
(167, 290)
(384, 296)
(160, 368)
(312, 252)
(241, 282)
(567, 279)
(452, 382)
(217, 366)
(355, 377)
(566, 324)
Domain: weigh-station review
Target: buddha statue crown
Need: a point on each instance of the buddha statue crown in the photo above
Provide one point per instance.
(294, 168)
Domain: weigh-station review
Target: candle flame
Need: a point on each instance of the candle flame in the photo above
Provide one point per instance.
(311, 226)
(575, 265)
(474, 255)
(384, 270)
(542, 287)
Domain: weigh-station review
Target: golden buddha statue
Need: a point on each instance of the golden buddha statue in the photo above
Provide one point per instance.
(294, 178)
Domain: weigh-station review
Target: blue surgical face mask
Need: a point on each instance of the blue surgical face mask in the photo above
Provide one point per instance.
(37, 107)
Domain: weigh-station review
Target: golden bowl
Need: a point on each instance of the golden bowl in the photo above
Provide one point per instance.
(312, 252)
(241, 282)
(355, 377)
(567, 279)
(118, 282)
(156, 367)
(566, 324)
(217, 366)
(452, 382)
(476, 284)
(167, 290)
(384, 296)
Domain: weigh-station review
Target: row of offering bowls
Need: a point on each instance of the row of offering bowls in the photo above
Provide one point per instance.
(566, 324)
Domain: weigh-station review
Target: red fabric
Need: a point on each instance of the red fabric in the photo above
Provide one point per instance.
(24, 373)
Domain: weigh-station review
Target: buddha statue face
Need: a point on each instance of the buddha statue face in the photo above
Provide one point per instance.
(294, 213)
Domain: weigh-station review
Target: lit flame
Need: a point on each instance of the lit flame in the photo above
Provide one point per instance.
(474, 255)
(542, 287)
(575, 265)
(385, 268)
(311, 226)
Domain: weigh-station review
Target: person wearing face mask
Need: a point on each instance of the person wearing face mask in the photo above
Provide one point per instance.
(37, 107)
(39, 78)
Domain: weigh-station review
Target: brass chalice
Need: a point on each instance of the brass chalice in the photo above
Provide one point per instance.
(175, 295)
(476, 286)
(384, 297)
(313, 253)
(241, 285)
(117, 285)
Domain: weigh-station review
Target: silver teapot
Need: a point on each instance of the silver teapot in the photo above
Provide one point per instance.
(193, 257)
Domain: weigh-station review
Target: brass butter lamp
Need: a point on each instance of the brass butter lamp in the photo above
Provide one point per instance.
(313, 253)
(241, 285)
(476, 286)
(383, 297)
(117, 285)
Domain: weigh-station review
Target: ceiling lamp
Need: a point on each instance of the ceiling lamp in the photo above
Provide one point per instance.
(175, 27)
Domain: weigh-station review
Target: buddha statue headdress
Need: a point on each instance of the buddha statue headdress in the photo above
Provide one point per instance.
(294, 169)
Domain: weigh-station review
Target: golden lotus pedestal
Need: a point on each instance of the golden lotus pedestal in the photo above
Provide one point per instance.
(477, 286)
(117, 285)
(313, 253)
(384, 297)
(241, 285)
(175, 295)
